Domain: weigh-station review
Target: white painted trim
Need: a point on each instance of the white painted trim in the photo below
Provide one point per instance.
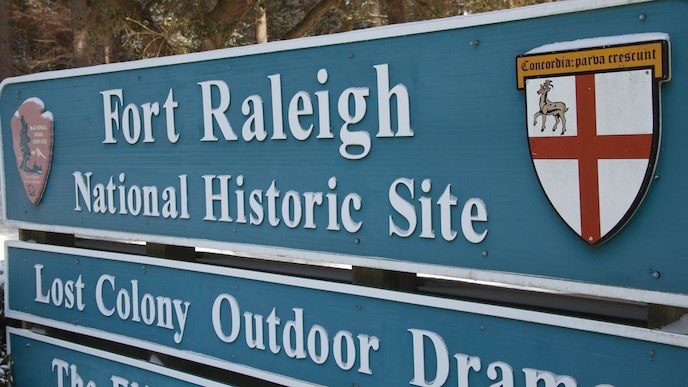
(599, 42)
(111, 357)
(290, 255)
(3, 192)
(574, 323)
(187, 355)
(456, 22)
(283, 254)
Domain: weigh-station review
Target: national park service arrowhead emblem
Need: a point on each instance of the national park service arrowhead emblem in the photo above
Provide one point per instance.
(593, 126)
(32, 138)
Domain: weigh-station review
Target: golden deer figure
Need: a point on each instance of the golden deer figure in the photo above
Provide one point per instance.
(549, 108)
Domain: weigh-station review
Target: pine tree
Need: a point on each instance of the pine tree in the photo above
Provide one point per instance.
(24, 144)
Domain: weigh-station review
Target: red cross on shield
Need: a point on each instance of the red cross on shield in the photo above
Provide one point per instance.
(593, 140)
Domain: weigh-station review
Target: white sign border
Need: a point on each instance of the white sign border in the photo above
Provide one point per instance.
(555, 320)
(140, 364)
(389, 31)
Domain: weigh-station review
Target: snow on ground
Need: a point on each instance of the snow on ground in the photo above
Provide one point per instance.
(680, 326)
(6, 233)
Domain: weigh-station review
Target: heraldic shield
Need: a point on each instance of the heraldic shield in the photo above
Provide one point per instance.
(593, 126)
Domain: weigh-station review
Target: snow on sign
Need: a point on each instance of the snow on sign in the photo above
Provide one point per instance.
(352, 149)
(596, 157)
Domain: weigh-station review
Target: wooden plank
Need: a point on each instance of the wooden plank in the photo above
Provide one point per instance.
(324, 332)
(351, 151)
(659, 316)
(41, 360)
(385, 279)
(54, 238)
(170, 251)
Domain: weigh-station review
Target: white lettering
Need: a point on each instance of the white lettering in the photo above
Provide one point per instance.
(393, 105)
(291, 208)
(234, 318)
(298, 340)
(132, 120)
(534, 377)
(441, 358)
(65, 369)
(384, 95)
(401, 194)
(132, 199)
(67, 294)
(217, 114)
(131, 304)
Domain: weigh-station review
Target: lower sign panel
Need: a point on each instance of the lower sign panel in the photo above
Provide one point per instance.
(45, 361)
(297, 331)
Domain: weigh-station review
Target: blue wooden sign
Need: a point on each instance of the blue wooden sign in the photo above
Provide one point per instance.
(296, 331)
(463, 147)
(45, 361)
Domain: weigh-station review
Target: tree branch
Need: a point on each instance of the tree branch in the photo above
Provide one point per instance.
(396, 11)
(6, 58)
(229, 11)
(310, 20)
(427, 7)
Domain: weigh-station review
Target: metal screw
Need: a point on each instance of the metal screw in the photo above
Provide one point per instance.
(652, 354)
(485, 253)
(357, 241)
(641, 17)
(359, 307)
(656, 275)
(482, 328)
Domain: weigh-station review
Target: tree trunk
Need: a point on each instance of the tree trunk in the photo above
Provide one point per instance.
(80, 12)
(311, 19)
(375, 14)
(225, 12)
(229, 10)
(5, 49)
(396, 11)
(261, 26)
